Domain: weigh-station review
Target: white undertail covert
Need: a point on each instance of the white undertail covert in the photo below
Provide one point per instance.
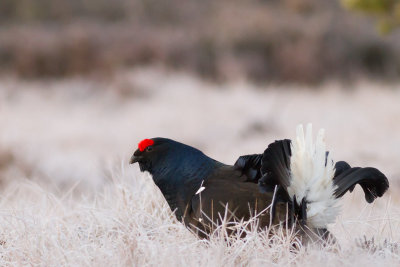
(311, 178)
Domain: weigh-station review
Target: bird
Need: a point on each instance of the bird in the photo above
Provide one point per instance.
(293, 182)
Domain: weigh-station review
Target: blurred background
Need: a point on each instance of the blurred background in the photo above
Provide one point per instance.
(297, 41)
(82, 81)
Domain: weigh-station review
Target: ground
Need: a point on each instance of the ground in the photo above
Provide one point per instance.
(69, 196)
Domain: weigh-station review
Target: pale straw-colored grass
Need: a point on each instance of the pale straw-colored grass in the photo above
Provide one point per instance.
(127, 222)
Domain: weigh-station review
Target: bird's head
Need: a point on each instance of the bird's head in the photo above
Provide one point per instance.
(150, 152)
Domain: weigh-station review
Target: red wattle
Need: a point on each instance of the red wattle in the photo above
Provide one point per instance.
(145, 143)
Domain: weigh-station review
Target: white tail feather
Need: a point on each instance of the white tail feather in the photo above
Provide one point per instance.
(311, 178)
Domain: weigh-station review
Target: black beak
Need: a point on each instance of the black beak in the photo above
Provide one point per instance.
(133, 160)
(135, 157)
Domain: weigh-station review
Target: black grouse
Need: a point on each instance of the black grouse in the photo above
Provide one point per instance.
(294, 182)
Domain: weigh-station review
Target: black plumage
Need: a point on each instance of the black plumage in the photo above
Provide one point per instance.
(200, 190)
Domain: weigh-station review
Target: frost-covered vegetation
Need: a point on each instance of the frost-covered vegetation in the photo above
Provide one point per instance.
(69, 197)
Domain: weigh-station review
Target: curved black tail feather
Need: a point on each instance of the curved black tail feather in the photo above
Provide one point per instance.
(373, 182)
(275, 166)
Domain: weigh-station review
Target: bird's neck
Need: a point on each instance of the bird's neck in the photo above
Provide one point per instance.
(180, 178)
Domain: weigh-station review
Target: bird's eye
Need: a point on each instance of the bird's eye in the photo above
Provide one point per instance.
(149, 148)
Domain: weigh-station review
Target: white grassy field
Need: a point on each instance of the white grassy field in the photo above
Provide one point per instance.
(69, 198)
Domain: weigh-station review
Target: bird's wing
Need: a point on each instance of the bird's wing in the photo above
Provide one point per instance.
(230, 200)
